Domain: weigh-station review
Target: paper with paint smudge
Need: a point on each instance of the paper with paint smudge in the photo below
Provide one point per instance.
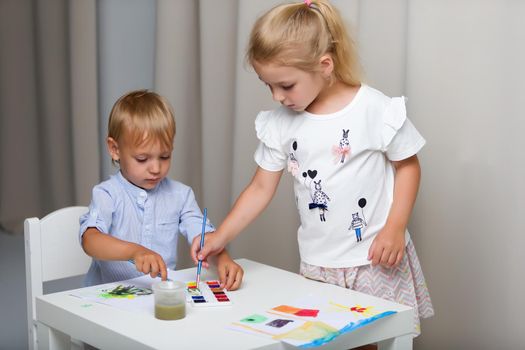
(309, 321)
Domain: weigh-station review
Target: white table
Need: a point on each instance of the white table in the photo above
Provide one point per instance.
(62, 316)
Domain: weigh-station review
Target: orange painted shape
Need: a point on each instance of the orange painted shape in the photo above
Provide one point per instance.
(286, 309)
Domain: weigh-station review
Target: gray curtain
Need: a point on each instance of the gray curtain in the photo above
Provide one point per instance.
(36, 154)
(49, 140)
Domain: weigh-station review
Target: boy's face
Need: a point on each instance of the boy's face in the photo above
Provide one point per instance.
(290, 86)
(144, 165)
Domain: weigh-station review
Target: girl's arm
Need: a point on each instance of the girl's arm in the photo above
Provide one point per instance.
(252, 201)
(102, 246)
(388, 247)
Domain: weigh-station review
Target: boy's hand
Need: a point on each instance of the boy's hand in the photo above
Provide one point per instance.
(149, 262)
(213, 245)
(230, 273)
(388, 247)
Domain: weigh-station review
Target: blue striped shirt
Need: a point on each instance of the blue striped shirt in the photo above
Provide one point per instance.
(152, 218)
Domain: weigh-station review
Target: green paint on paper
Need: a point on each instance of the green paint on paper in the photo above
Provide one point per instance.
(254, 319)
(125, 292)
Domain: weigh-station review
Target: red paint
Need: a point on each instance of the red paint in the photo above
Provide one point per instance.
(307, 312)
(358, 309)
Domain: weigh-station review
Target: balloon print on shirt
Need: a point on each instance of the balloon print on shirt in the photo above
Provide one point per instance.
(358, 223)
(293, 164)
(342, 150)
(319, 198)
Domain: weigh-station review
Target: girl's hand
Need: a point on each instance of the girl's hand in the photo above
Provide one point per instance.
(213, 245)
(388, 247)
(147, 261)
(230, 273)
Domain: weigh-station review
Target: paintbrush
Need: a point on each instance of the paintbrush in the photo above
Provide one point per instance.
(199, 265)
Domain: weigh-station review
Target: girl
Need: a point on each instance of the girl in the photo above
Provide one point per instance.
(351, 151)
(138, 213)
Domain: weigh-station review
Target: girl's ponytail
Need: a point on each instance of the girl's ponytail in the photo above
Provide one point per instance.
(346, 63)
(299, 34)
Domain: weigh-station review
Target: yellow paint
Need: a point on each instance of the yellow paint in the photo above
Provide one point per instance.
(309, 331)
(251, 328)
(367, 312)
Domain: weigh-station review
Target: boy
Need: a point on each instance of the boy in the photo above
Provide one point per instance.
(138, 213)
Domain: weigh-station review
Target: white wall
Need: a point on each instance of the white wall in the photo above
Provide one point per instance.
(465, 81)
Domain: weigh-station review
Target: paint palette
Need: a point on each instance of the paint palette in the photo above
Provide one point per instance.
(208, 294)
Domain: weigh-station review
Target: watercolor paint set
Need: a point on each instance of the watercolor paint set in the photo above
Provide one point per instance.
(208, 294)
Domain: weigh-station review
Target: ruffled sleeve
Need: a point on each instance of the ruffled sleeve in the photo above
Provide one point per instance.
(269, 154)
(400, 138)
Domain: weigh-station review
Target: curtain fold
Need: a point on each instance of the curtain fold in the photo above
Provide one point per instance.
(84, 103)
(217, 36)
(126, 31)
(53, 101)
(177, 73)
(35, 128)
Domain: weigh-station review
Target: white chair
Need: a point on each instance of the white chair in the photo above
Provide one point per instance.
(52, 252)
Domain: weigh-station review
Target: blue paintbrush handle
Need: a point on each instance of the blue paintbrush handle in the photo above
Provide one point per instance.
(199, 265)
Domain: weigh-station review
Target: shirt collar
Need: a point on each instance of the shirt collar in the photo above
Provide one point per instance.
(136, 192)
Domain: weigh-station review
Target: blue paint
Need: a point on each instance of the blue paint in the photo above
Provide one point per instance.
(348, 328)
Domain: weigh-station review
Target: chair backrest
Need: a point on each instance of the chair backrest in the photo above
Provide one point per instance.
(52, 252)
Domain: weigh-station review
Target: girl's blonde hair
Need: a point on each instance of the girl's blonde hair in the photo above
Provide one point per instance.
(143, 115)
(298, 35)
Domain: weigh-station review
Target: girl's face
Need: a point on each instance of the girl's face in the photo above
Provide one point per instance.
(144, 165)
(290, 86)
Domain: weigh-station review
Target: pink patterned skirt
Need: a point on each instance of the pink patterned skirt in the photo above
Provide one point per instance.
(404, 284)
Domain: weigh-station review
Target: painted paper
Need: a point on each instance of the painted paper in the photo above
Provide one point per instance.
(310, 321)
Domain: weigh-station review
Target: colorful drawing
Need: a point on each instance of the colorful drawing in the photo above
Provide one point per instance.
(255, 318)
(358, 309)
(134, 295)
(311, 331)
(310, 321)
(361, 310)
(125, 292)
(296, 311)
(208, 293)
(278, 323)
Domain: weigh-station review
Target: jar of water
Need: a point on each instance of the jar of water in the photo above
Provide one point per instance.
(170, 300)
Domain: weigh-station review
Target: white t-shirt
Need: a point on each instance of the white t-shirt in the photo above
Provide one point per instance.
(343, 176)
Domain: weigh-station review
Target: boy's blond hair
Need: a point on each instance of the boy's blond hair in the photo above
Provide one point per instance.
(298, 35)
(143, 115)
